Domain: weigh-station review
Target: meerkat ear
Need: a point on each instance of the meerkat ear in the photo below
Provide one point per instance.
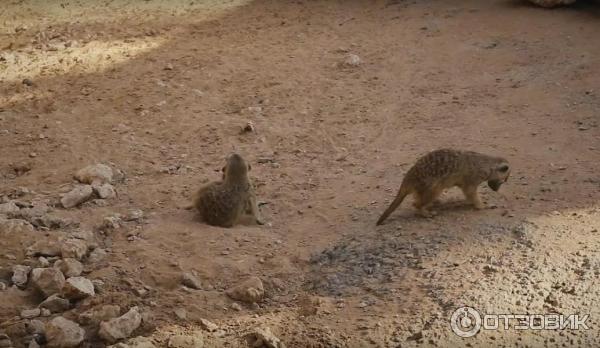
(249, 167)
(503, 168)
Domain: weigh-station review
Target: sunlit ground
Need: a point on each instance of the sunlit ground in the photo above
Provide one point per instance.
(33, 17)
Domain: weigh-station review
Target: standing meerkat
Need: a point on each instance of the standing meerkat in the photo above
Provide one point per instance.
(222, 203)
(445, 168)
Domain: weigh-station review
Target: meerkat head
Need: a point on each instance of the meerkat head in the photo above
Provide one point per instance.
(236, 167)
(499, 175)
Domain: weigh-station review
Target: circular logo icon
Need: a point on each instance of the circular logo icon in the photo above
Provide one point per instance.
(465, 322)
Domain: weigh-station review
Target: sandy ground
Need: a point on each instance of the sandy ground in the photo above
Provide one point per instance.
(160, 91)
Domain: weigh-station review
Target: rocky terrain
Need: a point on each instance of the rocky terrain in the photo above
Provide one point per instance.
(113, 113)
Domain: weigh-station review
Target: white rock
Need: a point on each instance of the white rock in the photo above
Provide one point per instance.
(55, 304)
(8, 226)
(63, 333)
(20, 275)
(249, 291)
(77, 196)
(263, 337)
(99, 173)
(43, 262)
(186, 341)
(138, 342)
(74, 248)
(83, 234)
(134, 215)
(208, 325)
(97, 255)
(77, 288)
(44, 247)
(191, 281)
(30, 313)
(69, 267)
(48, 281)
(181, 313)
(121, 327)
(352, 60)
(105, 191)
(95, 316)
(111, 223)
(9, 207)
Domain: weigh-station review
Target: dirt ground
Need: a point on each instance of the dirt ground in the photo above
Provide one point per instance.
(161, 89)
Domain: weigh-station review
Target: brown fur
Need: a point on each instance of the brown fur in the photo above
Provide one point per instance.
(445, 168)
(222, 203)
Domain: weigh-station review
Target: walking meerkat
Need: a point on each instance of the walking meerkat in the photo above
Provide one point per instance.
(222, 203)
(445, 168)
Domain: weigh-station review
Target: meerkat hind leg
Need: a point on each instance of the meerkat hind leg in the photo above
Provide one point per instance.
(424, 200)
(252, 206)
(472, 197)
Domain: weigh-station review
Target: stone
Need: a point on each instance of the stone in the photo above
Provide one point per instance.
(111, 223)
(186, 341)
(76, 196)
(191, 281)
(98, 285)
(74, 248)
(43, 262)
(55, 304)
(552, 3)
(45, 247)
(248, 128)
(97, 315)
(95, 173)
(48, 281)
(208, 325)
(63, 333)
(9, 226)
(77, 288)
(263, 337)
(249, 291)
(97, 255)
(36, 327)
(83, 234)
(69, 267)
(352, 60)
(5, 341)
(121, 327)
(30, 313)
(49, 221)
(20, 275)
(9, 207)
(134, 215)
(138, 342)
(105, 191)
(181, 313)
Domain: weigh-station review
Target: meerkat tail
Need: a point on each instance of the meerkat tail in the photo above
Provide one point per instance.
(402, 193)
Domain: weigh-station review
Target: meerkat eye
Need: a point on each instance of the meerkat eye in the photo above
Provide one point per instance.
(503, 168)
(249, 167)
